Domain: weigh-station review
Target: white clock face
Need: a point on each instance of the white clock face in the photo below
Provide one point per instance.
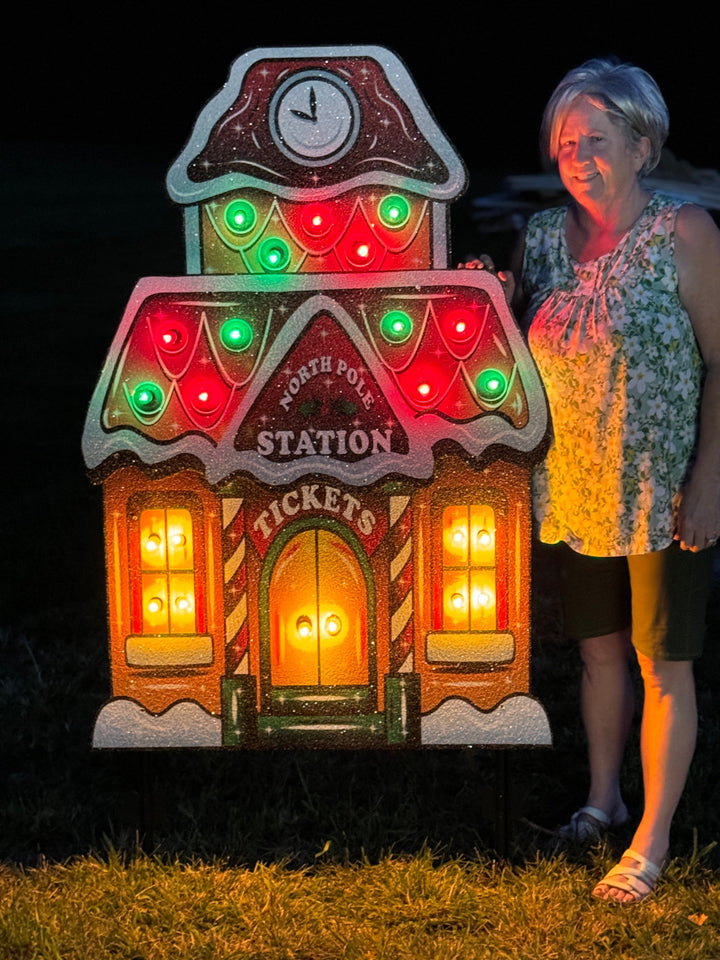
(314, 117)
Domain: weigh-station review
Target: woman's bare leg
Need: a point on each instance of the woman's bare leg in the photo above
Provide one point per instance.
(607, 705)
(667, 742)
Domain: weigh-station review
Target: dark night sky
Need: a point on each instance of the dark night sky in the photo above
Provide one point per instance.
(141, 77)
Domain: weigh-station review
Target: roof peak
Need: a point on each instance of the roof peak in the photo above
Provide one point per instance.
(308, 122)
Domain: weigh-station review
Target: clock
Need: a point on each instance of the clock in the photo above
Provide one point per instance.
(314, 117)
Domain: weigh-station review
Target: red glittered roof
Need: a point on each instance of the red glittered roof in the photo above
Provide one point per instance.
(316, 121)
(283, 376)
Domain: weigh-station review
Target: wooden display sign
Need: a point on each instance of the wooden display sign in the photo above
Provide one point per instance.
(315, 447)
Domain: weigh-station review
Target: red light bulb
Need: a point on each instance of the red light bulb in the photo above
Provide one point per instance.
(360, 251)
(171, 336)
(206, 398)
(460, 326)
(426, 388)
(316, 219)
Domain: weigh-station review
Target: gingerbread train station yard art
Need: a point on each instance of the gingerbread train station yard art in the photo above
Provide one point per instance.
(315, 448)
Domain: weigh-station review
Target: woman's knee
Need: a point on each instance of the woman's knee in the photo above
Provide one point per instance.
(665, 677)
(608, 651)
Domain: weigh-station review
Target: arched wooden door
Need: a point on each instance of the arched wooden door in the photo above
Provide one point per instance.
(319, 656)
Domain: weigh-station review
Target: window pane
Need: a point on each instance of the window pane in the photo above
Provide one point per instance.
(153, 540)
(483, 606)
(179, 540)
(182, 603)
(168, 577)
(455, 536)
(455, 600)
(482, 536)
(154, 603)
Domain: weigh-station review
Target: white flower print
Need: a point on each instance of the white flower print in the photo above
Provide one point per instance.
(640, 379)
(667, 329)
(615, 348)
(685, 384)
(657, 407)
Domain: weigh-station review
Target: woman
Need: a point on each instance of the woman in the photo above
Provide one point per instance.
(621, 290)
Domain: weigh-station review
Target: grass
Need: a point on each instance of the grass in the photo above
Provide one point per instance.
(414, 908)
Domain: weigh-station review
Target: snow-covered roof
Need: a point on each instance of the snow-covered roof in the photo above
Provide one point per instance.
(283, 376)
(315, 122)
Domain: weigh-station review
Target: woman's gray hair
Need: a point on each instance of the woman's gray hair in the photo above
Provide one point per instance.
(629, 96)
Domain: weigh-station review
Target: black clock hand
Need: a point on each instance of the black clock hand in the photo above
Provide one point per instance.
(312, 116)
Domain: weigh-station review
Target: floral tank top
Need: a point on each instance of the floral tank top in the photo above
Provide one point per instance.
(617, 353)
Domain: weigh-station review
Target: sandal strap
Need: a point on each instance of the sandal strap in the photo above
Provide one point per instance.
(595, 812)
(650, 869)
(640, 880)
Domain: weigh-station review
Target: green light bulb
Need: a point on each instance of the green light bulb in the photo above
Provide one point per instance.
(274, 254)
(240, 216)
(396, 326)
(394, 210)
(491, 385)
(147, 398)
(236, 334)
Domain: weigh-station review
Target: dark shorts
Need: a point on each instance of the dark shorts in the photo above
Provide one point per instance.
(662, 596)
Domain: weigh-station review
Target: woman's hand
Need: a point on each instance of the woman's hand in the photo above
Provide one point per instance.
(698, 517)
(697, 255)
(484, 262)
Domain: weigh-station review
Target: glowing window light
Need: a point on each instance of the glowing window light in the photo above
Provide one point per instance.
(482, 598)
(455, 536)
(333, 625)
(182, 598)
(484, 538)
(396, 326)
(171, 336)
(236, 334)
(459, 537)
(180, 539)
(167, 571)
(274, 255)
(394, 210)
(457, 601)
(317, 219)
(469, 568)
(155, 605)
(304, 627)
(153, 543)
(240, 216)
(491, 385)
(147, 398)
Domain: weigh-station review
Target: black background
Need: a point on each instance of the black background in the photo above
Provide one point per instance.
(140, 73)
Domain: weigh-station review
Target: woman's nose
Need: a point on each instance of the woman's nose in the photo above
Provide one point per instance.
(582, 151)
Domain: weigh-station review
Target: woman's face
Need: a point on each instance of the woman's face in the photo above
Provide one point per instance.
(595, 161)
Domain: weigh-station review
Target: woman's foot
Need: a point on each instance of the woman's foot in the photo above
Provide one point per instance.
(632, 880)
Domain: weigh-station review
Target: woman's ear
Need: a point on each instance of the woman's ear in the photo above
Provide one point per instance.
(641, 152)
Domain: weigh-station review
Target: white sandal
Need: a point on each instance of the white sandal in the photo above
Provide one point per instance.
(640, 881)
